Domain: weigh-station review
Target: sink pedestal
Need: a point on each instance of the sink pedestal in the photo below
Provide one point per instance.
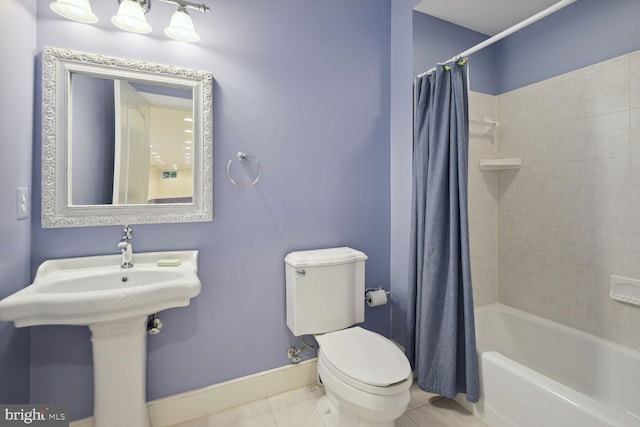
(119, 372)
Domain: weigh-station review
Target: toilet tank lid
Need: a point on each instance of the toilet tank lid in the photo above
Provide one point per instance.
(322, 257)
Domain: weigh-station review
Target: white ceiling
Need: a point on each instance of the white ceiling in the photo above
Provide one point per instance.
(484, 16)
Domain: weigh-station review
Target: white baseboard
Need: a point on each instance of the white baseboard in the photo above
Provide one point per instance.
(202, 402)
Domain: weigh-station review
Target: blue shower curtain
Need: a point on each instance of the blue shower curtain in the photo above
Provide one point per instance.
(441, 342)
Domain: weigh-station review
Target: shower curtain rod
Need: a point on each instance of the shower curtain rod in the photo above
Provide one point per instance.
(517, 27)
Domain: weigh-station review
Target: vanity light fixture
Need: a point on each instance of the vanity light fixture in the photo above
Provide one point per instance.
(131, 16)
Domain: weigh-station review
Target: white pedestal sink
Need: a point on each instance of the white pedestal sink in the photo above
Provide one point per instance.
(114, 303)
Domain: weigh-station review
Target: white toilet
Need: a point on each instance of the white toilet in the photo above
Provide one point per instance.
(366, 376)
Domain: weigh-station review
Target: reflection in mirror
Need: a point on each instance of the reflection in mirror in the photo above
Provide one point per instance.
(132, 143)
(124, 141)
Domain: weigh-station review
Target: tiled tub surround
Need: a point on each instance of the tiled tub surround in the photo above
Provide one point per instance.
(483, 209)
(570, 216)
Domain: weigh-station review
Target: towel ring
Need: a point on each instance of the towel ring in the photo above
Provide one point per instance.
(242, 156)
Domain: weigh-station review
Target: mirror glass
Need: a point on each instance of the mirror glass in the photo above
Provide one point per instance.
(124, 141)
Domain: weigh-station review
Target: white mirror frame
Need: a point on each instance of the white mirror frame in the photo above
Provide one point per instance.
(57, 66)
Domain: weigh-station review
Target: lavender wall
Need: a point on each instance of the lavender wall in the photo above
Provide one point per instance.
(435, 40)
(17, 44)
(303, 86)
(584, 33)
(401, 121)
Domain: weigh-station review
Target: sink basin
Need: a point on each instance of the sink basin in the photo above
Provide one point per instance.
(89, 290)
(110, 279)
(114, 303)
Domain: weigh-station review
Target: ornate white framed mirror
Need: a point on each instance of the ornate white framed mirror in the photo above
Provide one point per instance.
(124, 141)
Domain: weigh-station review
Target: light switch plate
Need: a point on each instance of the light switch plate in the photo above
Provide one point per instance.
(22, 203)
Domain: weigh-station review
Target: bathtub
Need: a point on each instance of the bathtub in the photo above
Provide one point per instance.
(539, 373)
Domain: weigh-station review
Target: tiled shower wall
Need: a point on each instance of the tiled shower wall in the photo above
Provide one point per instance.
(570, 216)
(483, 209)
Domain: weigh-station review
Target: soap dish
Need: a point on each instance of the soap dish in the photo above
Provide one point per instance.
(169, 262)
(624, 289)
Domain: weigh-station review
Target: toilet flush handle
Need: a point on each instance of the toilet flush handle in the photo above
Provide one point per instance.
(301, 272)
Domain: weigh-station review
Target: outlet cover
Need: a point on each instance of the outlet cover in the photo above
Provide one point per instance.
(22, 203)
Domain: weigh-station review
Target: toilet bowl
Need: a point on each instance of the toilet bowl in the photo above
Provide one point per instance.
(365, 376)
(366, 379)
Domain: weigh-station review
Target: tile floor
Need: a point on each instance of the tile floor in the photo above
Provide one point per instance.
(296, 408)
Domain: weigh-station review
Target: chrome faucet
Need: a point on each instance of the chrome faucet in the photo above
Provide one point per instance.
(126, 248)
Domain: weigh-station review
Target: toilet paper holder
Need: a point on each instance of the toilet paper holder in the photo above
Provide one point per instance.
(375, 297)
(375, 289)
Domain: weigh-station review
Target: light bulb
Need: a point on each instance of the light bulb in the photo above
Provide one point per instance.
(131, 18)
(76, 10)
(181, 27)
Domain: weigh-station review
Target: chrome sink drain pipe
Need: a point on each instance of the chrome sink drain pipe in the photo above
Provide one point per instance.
(154, 325)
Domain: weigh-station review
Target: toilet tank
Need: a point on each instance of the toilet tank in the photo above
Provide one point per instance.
(325, 290)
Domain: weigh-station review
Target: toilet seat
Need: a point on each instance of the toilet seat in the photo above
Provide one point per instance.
(365, 360)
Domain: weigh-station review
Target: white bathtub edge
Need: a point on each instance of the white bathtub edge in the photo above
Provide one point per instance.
(511, 393)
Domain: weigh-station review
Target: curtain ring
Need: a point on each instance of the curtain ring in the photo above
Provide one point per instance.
(242, 156)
